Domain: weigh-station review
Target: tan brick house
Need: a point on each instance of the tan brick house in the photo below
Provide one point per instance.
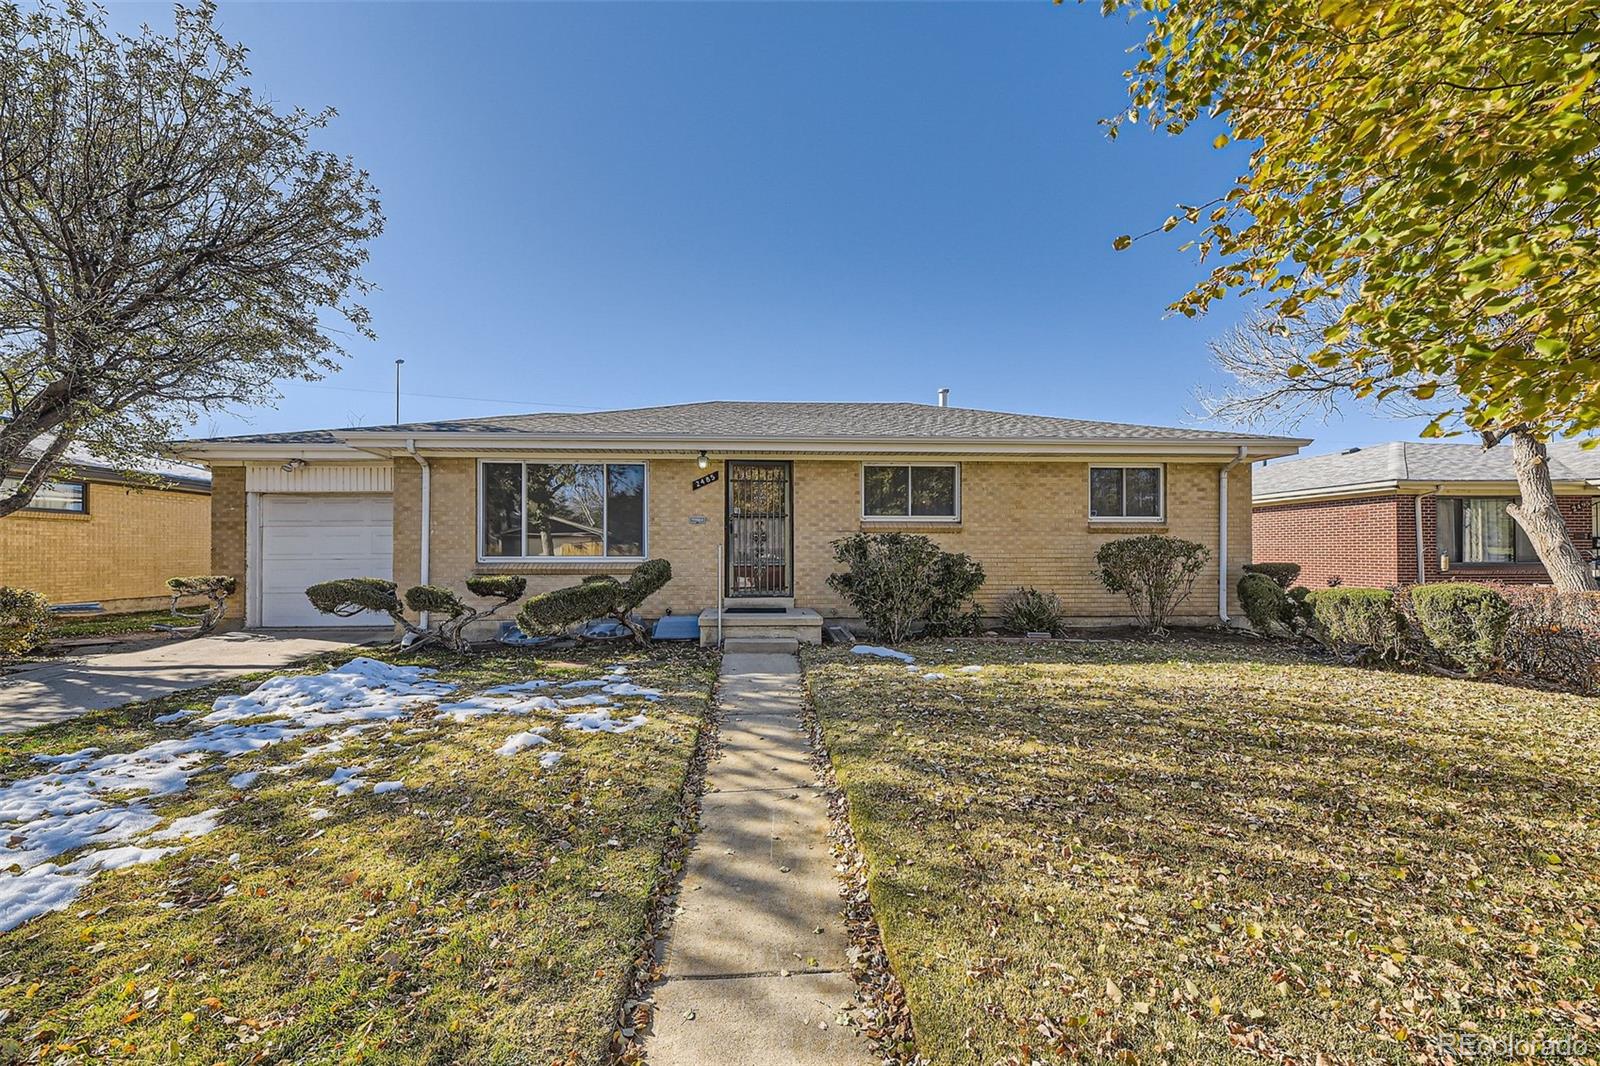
(744, 499)
(96, 534)
(1398, 513)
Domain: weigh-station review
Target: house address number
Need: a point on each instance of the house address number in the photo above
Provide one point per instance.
(704, 480)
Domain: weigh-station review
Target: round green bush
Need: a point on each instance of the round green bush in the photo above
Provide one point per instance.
(1265, 603)
(435, 599)
(203, 585)
(1359, 619)
(1027, 610)
(24, 622)
(1282, 573)
(506, 587)
(1467, 623)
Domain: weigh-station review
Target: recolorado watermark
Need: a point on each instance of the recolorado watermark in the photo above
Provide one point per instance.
(1471, 1046)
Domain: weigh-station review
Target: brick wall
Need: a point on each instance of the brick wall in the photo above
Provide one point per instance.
(1371, 541)
(228, 532)
(119, 554)
(1026, 522)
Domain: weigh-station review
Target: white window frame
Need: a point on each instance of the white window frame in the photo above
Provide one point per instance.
(1161, 493)
(55, 483)
(579, 561)
(908, 517)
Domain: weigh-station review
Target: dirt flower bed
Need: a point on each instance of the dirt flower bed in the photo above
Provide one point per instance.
(352, 865)
(1189, 852)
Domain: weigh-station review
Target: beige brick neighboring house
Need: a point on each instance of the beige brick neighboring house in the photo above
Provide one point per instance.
(95, 535)
(753, 492)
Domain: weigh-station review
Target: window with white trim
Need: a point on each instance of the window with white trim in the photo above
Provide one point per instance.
(62, 497)
(1127, 493)
(561, 511)
(927, 492)
(1479, 529)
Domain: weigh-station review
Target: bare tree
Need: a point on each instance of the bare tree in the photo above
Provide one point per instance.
(1283, 373)
(169, 242)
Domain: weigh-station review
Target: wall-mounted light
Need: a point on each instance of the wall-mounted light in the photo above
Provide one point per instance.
(292, 465)
(702, 461)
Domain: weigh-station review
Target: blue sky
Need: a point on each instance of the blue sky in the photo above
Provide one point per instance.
(616, 204)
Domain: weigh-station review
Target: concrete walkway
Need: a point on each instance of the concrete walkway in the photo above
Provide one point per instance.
(62, 689)
(755, 971)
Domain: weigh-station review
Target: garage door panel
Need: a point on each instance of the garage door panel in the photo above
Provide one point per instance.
(308, 538)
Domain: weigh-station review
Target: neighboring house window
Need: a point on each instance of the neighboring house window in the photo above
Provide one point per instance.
(1126, 493)
(911, 490)
(562, 510)
(1477, 529)
(67, 497)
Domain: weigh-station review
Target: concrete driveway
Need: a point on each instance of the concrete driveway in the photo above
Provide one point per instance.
(55, 691)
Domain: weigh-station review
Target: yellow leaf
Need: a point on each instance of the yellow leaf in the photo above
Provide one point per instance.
(1216, 1006)
(1221, 141)
(1575, 93)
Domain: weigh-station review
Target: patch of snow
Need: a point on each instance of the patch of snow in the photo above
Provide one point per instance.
(49, 835)
(195, 825)
(520, 686)
(586, 701)
(81, 755)
(317, 814)
(550, 758)
(600, 721)
(244, 780)
(628, 688)
(481, 705)
(520, 742)
(583, 684)
(971, 670)
(383, 787)
(934, 676)
(115, 858)
(174, 718)
(361, 690)
(31, 893)
(886, 653)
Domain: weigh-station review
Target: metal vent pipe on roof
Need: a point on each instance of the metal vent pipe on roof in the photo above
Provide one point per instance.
(944, 397)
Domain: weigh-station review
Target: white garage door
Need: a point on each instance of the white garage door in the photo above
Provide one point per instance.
(307, 539)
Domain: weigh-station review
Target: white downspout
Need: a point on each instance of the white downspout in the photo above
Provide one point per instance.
(427, 520)
(1422, 569)
(1222, 533)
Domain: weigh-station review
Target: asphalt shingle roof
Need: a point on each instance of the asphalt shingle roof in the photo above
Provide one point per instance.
(1415, 461)
(788, 421)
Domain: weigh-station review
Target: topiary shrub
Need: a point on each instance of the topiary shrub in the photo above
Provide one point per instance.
(1265, 604)
(1466, 623)
(900, 582)
(1155, 572)
(1028, 610)
(1282, 573)
(24, 622)
(596, 597)
(216, 588)
(458, 615)
(1299, 616)
(1363, 622)
(347, 597)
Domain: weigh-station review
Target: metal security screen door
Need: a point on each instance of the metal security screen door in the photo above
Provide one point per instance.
(758, 528)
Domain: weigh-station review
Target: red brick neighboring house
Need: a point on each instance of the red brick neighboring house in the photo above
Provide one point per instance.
(1354, 516)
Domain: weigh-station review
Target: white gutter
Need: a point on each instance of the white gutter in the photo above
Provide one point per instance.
(427, 521)
(1222, 532)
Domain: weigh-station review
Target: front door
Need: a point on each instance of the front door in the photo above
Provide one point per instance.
(759, 541)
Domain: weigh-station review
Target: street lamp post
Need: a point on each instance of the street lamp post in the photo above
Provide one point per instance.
(398, 363)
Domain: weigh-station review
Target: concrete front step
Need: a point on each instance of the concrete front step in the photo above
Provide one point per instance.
(741, 645)
(798, 625)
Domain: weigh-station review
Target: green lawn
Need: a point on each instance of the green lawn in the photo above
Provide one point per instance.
(65, 627)
(1190, 852)
(488, 912)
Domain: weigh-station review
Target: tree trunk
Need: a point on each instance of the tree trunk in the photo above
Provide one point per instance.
(1536, 512)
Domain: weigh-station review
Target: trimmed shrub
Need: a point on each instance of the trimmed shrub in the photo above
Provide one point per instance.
(1299, 607)
(899, 582)
(1265, 603)
(1028, 610)
(1282, 573)
(1465, 623)
(24, 622)
(597, 596)
(458, 615)
(1155, 572)
(1553, 637)
(1365, 622)
(216, 588)
(346, 597)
